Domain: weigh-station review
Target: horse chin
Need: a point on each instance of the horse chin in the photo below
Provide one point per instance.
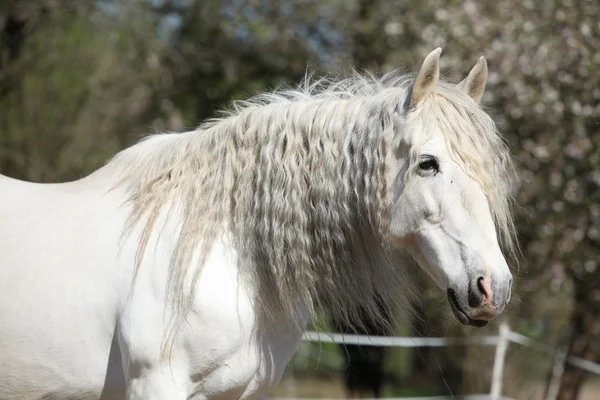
(461, 315)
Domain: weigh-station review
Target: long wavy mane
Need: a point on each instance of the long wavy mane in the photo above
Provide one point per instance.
(297, 179)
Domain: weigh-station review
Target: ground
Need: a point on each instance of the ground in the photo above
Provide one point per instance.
(332, 387)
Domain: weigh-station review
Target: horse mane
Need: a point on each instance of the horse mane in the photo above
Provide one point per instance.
(297, 179)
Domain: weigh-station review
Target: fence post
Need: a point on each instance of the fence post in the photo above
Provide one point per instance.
(498, 371)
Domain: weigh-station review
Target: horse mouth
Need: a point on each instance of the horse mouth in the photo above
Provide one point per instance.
(460, 313)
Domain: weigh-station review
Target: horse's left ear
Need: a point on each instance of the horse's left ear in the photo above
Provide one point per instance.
(427, 78)
(474, 83)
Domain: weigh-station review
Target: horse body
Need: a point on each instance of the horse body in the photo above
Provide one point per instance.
(189, 265)
(69, 296)
(60, 293)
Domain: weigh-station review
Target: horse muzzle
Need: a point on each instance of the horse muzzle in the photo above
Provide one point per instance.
(483, 300)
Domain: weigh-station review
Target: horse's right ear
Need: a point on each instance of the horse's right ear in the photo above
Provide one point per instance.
(426, 79)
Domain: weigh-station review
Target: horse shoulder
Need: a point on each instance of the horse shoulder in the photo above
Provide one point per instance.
(220, 350)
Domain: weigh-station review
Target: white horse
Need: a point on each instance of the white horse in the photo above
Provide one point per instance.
(189, 265)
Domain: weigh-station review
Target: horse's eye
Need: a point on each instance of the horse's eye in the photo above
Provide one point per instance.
(429, 163)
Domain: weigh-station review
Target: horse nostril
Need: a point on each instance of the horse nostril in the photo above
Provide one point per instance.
(485, 288)
(475, 298)
(480, 292)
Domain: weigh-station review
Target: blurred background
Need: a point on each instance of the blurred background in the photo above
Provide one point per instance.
(82, 79)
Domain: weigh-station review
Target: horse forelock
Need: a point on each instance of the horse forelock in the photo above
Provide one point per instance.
(297, 178)
(476, 145)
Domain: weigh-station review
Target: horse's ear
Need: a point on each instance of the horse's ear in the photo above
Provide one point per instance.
(427, 78)
(474, 83)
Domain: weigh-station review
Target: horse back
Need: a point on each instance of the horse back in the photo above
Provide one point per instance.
(58, 297)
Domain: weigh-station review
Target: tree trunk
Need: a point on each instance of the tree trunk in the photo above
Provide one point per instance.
(585, 340)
